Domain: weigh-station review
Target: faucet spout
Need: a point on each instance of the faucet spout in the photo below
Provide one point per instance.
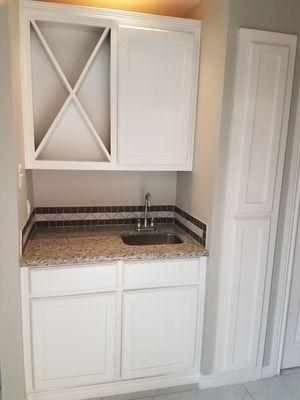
(148, 199)
(145, 226)
(147, 206)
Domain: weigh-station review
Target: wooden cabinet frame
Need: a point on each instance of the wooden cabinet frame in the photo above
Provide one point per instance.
(32, 11)
(113, 283)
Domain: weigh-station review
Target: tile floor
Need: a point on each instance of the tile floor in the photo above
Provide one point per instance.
(284, 387)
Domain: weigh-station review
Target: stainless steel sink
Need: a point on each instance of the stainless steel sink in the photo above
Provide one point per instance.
(151, 239)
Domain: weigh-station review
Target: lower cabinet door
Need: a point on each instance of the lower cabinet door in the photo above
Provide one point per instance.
(73, 340)
(159, 331)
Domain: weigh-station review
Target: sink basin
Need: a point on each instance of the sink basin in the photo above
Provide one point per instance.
(151, 239)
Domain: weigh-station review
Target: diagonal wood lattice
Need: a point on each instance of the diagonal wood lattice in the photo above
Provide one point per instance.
(72, 92)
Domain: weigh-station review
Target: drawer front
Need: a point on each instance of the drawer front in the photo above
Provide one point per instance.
(61, 280)
(159, 273)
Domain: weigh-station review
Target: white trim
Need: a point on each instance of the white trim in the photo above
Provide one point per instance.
(267, 372)
(286, 260)
(115, 388)
(229, 378)
(26, 327)
(100, 165)
(205, 381)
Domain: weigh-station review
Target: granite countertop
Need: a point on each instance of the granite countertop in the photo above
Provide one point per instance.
(86, 245)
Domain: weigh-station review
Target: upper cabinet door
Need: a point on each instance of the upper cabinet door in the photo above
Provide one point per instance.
(157, 72)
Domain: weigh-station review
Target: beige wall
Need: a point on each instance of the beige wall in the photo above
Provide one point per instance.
(26, 190)
(195, 189)
(198, 191)
(76, 188)
(11, 358)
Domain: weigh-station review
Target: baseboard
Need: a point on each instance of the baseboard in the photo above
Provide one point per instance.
(267, 372)
(109, 389)
(229, 378)
(205, 381)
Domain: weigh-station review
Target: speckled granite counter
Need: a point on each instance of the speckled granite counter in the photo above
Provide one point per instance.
(85, 245)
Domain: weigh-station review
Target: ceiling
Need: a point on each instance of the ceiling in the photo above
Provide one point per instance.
(176, 8)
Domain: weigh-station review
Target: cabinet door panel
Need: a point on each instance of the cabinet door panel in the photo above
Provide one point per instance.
(262, 98)
(73, 340)
(159, 331)
(263, 122)
(156, 81)
(250, 264)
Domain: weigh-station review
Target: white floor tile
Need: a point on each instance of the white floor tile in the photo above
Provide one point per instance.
(284, 387)
(188, 395)
(151, 393)
(232, 392)
(290, 371)
(235, 392)
(293, 382)
(277, 388)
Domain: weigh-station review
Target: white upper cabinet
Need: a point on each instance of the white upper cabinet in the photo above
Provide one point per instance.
(84, 110)
(156, 102)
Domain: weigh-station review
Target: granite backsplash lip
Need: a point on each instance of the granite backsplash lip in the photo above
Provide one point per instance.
(54, 247)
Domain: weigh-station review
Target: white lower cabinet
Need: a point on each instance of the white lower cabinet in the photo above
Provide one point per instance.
(159, 331)
(73, 340)
(106, 329)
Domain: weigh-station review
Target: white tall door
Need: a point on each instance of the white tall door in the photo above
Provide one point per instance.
(262, 101)
(159, 331)
(157, 81)
(291, 355)
(73, 340)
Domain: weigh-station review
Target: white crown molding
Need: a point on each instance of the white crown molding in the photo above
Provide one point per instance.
(122, 17)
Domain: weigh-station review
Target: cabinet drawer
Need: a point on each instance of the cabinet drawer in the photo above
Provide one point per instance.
(170, 272)
(60, 280)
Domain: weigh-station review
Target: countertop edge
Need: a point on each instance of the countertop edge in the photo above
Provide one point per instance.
(98, 261)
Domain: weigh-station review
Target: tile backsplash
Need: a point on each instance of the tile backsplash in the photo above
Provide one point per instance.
(111, 215)
(105, 215)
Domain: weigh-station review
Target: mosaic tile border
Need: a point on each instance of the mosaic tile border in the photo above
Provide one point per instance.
(111, 215)
(191, 225)
(104, 215)
(28, 229)
(101, 209)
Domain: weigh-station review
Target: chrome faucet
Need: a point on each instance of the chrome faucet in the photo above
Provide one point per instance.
(145, 226)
